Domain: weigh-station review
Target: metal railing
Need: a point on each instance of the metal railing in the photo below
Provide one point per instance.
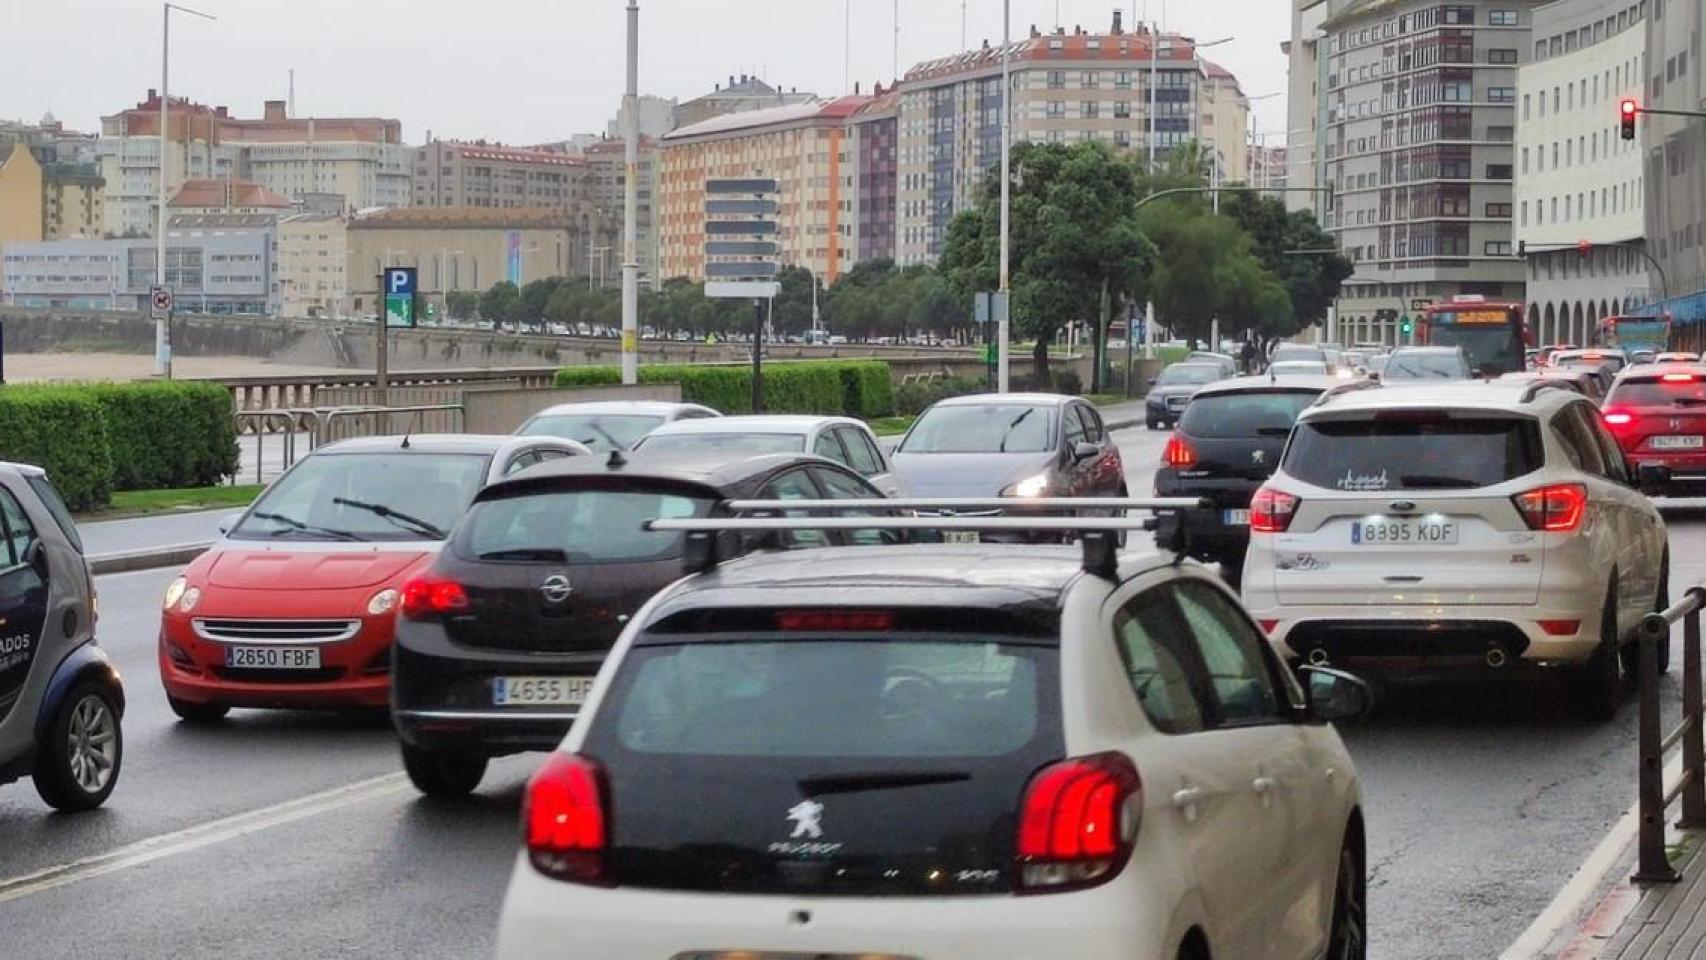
(321, 425)
(1655, 796)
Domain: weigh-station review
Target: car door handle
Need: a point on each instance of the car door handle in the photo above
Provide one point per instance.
(1262, 785)
(1187, 798)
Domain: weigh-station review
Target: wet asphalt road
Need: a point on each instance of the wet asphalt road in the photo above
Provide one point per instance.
(280, 834)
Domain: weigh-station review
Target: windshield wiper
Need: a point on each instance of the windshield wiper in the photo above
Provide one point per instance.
(294, 525)
(386, 513)
(1689, 402)
(1014, 426)
(877, 780)
(1436, 483)
(541, 554)
(614, 443)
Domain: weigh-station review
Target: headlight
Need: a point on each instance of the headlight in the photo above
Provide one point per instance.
(192, 596)
(382, 603)
(1030, 486)
(175, 592)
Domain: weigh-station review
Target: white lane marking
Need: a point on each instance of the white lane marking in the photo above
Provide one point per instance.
(1567, 908)
(199, 837)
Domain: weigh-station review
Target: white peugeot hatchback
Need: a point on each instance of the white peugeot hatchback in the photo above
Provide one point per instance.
(938, 752)
(1486, 522)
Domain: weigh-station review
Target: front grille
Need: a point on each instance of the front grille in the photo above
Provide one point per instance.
(276, 631)
(318, 675)
(1418, 638)
(1177, 403)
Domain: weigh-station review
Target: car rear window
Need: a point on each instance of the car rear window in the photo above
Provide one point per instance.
(1426, 366)
(730, 446)
(577, 526)
(601, 432)
(1413, 450)
(1255, 414)
(1299, 353)
(1660, 392)
(808, 696)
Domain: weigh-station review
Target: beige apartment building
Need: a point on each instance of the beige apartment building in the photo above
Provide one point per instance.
(46, 201)
(608, 160)
(453, 174)
(313, 257)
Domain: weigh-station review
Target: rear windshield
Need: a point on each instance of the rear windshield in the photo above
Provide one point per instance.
(732, 446)
(1228, 415)
(786, 696)
(1299, 368)
(1425, 366)
(601, 432)
(1189, 373)
(1413, 451)
(1658, 392)
(981, 428)
(578, 526)
(1299, 353)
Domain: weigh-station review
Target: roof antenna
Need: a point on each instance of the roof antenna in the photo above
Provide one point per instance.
(409, 431)
(616, 459)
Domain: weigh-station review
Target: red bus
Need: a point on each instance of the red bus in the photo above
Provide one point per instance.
(1634, 333)
(1492, 333)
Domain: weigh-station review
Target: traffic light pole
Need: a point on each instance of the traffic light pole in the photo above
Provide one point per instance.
(1640, 248)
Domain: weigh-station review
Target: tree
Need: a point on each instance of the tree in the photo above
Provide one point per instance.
(462, 304)
(534, 298)
(501, 303)
(1294, 248)
(793, 307)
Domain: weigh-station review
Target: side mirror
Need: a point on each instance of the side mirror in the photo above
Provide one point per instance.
(1652, 477)
(228, 523)
(37, 559)
(1374, 375)
(1152, 380)
(1335, 695)
(1086, 451)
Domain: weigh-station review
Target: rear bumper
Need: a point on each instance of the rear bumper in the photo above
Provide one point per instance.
(1437, 635)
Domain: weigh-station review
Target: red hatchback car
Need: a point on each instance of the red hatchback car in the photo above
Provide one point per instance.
(294, 608)
(1658, 414)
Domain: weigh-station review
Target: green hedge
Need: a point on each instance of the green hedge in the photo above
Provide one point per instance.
(168, 434)
(64, 431)
(857, 388)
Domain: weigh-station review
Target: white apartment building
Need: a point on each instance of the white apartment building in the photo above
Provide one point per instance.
(1578, 182)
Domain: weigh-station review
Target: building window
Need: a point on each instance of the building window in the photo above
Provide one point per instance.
(1056, 79)
(1089, 80)
(1502, 18)
(1498, 171)
(1089, 109)
(1500, 211)
(1501, 56)
(1501, 94)
(1497, 248)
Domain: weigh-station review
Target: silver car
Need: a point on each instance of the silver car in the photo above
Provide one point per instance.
(843, 439)
(606, 425)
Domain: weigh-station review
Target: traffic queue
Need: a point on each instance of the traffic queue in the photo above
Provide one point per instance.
(794, 683)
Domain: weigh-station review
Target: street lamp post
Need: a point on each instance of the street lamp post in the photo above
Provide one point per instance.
(1003, 325)
(163, 326)
(631, 206)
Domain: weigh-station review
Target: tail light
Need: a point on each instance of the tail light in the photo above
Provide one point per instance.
(1271, 510)
(1268, 625)
(1617, 418)
(1556, 509)
(1179, 452)
(428, 597)
(1077, 822)
(563, 816)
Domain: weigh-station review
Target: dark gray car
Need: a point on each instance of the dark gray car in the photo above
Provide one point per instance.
(60, 696)
(1173, 389)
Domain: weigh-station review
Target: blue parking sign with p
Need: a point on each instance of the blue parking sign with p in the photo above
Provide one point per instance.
(400, 296)
(400, 282)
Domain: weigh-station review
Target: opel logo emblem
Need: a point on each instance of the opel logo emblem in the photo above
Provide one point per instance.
(556, 588)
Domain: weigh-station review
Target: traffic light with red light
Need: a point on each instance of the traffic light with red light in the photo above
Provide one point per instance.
(1628, 111)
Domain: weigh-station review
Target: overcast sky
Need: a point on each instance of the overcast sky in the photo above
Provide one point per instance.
(530, 71)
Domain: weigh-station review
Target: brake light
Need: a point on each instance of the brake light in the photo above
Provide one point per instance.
(813, 621)
(1077, 822)
(1556, 509)
(564, 821)
(425, 597)
(1678, 378)
(1560, 628)
(1271, 510)
(1617, 418)
(1179, 452)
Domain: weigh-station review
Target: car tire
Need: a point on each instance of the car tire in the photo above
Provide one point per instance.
(197, 713)
(78, 761)
(1347, 938)
(442, 774)
(1600, 680)
(1153, 425)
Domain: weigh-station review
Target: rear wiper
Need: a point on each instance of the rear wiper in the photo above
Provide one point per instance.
(1438, 483)
(1689, 402)
(542, 554)
(386, 513)
(1273, 431)
(294, 525)
(877, 780)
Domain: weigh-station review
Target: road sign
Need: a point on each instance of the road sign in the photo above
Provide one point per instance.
(740, 239)
(160, 302)
(400, 296)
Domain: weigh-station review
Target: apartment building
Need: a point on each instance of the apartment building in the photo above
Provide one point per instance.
(42, 198)
(1421, 104)
(874, 130)
(810, 149)
(313, 255)
(1067, 87)
(206, 197)
(608, 163)
(360, 159)
(1577, 181)
(449, 173)
(1306, 107)
(740, 94)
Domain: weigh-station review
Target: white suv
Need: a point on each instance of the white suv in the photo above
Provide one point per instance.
(942, 752)
(1488, 521)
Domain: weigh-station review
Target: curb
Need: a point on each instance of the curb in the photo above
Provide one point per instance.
(153, 558)
(1113, 425)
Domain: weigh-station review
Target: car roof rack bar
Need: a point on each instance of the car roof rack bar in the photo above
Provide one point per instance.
(1022, 505)
(1343, 388)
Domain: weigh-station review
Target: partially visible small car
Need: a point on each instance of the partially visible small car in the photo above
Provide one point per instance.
(1170, 391)
(1658, 415)
(1228, 364)
(1299, 368)
(606, 425)
(845, 440)
(1427, 363)
(1673, 356)
(1614, 359)
(1583, 381)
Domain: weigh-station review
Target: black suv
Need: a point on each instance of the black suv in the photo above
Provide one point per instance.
(499, 641)
(1227, 443)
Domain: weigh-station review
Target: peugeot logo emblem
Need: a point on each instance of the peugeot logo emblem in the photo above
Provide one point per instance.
(556, 588)
(1675, 424)
(1258, 456)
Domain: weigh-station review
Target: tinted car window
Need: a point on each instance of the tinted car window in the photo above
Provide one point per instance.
(1413, 450)
(816, 697)
(585, 526)
(602, 432)
(730, 446)
(1188, 373)
(865, 458)
(49, 495)
(827, 446)
(345, 496)
(795, 485)
(1074, 427)
(1611, 453)
(20, 534)
(1148, 633)
(1579, 446)
(1657, 392)
(1232, 652)
(1254, 414)
(981, 428)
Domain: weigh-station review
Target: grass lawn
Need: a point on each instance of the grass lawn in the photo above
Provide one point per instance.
(1106, 399)
(891, 426)
(143, 503)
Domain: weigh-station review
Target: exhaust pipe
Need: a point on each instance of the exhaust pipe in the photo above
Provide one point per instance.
(1496, 657)
(1318, 657)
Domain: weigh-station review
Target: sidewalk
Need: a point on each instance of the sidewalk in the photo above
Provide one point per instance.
(1657, 922)
(148, 533)
(1122, 416)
